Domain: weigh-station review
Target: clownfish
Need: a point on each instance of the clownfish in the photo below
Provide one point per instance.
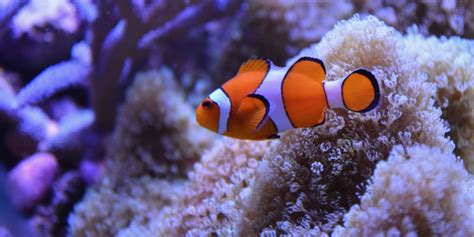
(263, 100)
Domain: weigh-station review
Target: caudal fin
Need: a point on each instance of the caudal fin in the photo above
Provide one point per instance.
(360, 91)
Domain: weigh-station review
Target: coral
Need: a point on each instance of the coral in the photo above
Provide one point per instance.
(449, 65)
(439, 17)
(417, 191)
(50, 219)
(154, 127)
(152, 148)
(135, 202)
(25, 127)
(304, 22)
(8, 9)
(38, 34)
(31, 180)
(74, 135)
(37, 14)
(301, 184)
(315, 175)
(91, 171)
(4, 232)
(123, 43)
(273, 29)
(279, 29)
(115, 40)
(30, 126)
(121, 37)
(7, 98)
(216, 199)
(53, 79)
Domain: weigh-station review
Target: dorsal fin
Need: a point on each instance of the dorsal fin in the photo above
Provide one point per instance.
(310, 67)
(255, 65)
(253, 111)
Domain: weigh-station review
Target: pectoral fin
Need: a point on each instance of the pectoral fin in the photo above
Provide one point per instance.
(253, 112)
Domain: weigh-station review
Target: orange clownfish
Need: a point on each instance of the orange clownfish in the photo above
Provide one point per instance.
(263, 100)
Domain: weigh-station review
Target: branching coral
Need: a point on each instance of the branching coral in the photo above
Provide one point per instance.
(51, 80)
(117, 42)
(302, 184)
(120, 36)
(40, 14)
(417, 191)
(28, 126)
(8, 9)
(38, 33)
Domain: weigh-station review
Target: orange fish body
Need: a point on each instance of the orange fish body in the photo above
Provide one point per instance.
(262, 100)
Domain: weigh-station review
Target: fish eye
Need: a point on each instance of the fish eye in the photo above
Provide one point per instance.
(206, 105)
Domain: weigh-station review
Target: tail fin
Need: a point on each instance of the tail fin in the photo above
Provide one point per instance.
(360, 91)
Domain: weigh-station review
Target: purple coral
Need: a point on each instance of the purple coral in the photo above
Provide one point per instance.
(30, 181)
(91, 171)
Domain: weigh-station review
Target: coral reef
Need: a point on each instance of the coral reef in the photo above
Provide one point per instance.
(309, 181)
(106, 88)
(155, 138)
(417, 191)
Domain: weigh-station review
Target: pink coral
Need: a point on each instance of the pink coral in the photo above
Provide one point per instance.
(31, 179)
